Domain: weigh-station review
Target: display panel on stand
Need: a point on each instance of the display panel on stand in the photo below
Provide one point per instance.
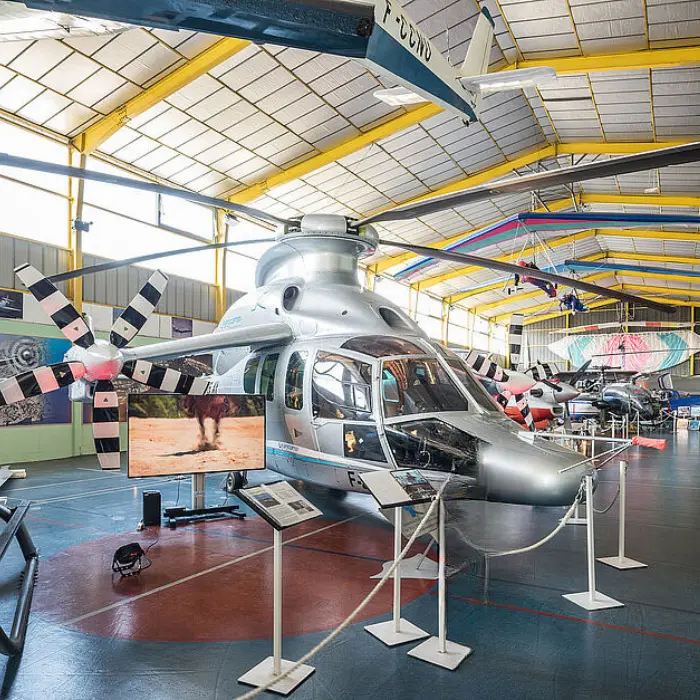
(173, 434)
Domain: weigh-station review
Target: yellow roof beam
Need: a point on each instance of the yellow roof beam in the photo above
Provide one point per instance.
(618, 148)
(558, 314)
(648, 257)
(481, 308)
(613, 148)
(94, 136)
(627, 60)
(656, 200)
(664, 290)
(581, 235)
(387, 263)
(544, 307)
(555, 243)
(352, 145)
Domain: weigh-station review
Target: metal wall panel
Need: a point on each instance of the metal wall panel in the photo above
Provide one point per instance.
(183, 297)
(17, 251)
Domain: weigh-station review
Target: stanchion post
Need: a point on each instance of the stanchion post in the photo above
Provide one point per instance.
(438, 650)
(442, 606)
(275, 665)
(277, 604)
(621, 561)
(591, 599)
(397, 630)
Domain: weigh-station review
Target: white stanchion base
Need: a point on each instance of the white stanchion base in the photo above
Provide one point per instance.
(262, 674)
(416, 566)
(622, 563)
(429, 651)
(386, 632)
(599, 601)
(576, 521)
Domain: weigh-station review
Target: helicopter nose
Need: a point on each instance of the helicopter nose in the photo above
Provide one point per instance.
(566, 393)
(546, 475)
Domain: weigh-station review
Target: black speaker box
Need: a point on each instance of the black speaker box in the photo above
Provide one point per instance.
(151, 508)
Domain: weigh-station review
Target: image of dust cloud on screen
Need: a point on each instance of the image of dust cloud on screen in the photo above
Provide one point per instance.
(174, 434)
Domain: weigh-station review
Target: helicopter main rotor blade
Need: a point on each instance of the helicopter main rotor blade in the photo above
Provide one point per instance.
(83, 174)
(466, 259)
(115, 264)
(676, 155)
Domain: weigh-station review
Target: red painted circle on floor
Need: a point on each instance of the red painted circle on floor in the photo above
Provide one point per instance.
(213, 582)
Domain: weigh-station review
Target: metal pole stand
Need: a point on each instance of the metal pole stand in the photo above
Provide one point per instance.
(198, 491)
(437, 650)
(576, 518)
(274, 665)
(397, 630)
(591, 599)
(621, 561)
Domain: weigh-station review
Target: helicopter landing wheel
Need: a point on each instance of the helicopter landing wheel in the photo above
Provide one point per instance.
(235, 481)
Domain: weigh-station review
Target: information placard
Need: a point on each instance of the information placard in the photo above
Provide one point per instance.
(401, 487)
(279, 503)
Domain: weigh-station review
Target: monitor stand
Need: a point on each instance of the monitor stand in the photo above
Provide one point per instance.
(199, 511)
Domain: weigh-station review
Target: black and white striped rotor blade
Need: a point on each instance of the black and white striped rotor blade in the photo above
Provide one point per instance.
(61, 311)
(41, 380)
(515, 340)
(524, 407)
(134, 316)
(484, 367)
(105, 424)
(167, 379)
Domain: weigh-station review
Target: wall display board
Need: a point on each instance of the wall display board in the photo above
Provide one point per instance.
(174, 434)
(11, 304)
(18, 354)
(279, 503)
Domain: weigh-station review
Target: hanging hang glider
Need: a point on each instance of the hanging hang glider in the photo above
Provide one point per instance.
(320, 224)
(530, 223)
(379, 34)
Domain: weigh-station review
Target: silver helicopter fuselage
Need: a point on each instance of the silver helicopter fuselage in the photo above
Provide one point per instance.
(351, 391)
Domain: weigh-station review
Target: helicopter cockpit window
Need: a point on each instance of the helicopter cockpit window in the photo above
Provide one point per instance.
(362, 442)
(382, 346)
(418, 386)
(434, 444)
(475, 388)
(250, 373)
(294, 382)
(341, 388)
(267, 377)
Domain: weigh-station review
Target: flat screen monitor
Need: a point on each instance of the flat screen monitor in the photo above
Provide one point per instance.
(172, 434)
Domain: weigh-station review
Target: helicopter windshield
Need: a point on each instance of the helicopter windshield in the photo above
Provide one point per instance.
(418, 386)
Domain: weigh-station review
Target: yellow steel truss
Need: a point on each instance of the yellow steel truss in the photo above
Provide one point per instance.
(94, 136)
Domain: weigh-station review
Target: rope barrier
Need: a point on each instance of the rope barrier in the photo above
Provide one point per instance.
(492, 553)
(348, 620)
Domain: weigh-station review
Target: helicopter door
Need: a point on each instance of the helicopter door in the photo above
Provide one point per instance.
(341, 392)
(297, 412)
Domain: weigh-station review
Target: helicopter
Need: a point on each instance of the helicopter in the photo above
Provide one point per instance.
(352, 383)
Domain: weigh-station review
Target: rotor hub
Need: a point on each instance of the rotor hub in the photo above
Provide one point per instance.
(102, 360)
